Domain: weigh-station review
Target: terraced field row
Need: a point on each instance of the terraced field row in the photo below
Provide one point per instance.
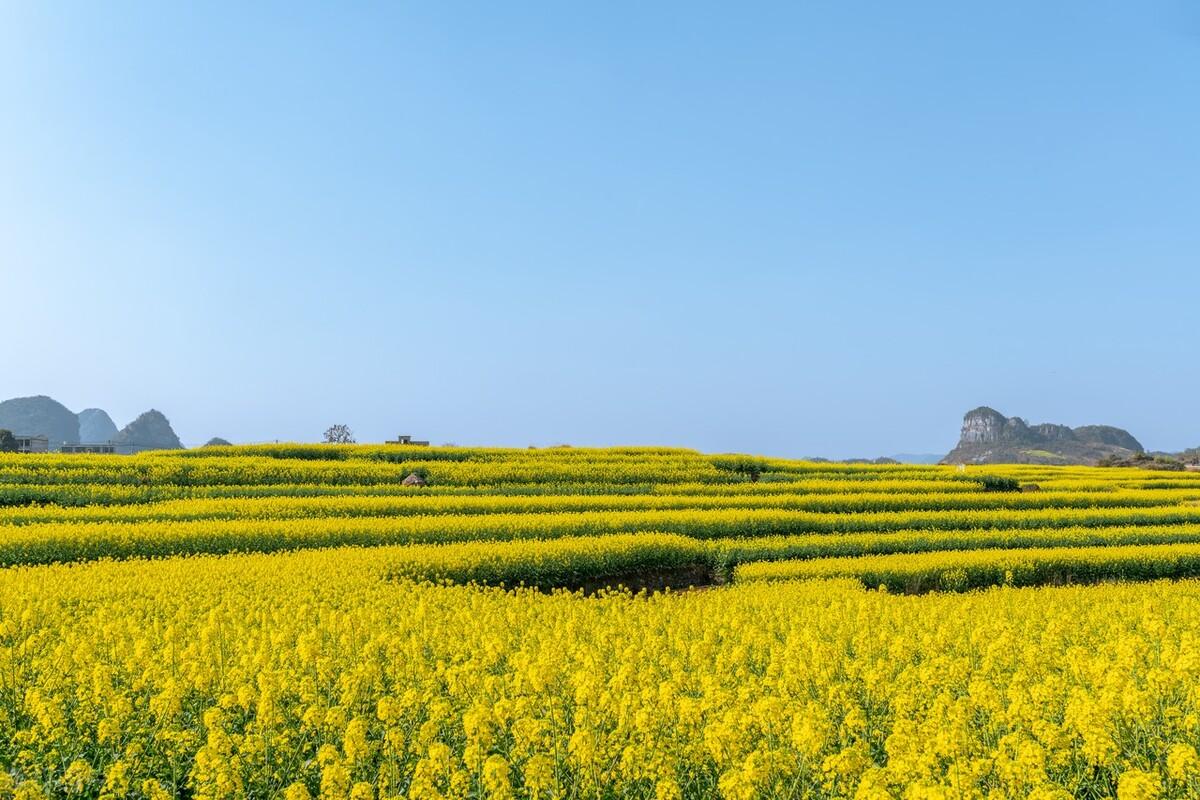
(427, 505)
(566, 516)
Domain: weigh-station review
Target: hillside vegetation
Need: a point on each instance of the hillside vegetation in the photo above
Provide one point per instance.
(989, 437)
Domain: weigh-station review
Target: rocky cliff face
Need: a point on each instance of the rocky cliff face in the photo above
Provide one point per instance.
(150, 431)
(989, 437)
(40, 416)
(95, 426)
(983, 426)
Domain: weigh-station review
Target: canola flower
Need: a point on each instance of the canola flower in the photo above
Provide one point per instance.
(335, 672)
(427, 505)
(49, 542)
(314, 674)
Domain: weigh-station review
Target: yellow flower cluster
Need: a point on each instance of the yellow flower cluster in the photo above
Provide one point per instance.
(369, 466)
(43, 542)
(866, 499)
(349, 668)
(315, 675)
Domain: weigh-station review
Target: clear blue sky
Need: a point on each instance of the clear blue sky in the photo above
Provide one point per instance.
(796, 228)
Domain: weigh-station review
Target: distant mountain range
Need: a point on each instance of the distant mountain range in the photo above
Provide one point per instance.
(899, 458)
(917, 458)
(45, 416)
(989, 437)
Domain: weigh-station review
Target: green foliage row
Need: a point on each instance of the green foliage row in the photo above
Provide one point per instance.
(963, 570)
(569, 562)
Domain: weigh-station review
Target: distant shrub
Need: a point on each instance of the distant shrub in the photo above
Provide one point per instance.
(750, 468)
(997, 483)
(1144, 461)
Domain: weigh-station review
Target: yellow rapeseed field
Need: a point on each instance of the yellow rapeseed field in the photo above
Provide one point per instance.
(307, 628)
(315, 674)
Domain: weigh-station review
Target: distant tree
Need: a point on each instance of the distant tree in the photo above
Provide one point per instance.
(749, 468)
(339, 434)
(998, 483)
(8, 442)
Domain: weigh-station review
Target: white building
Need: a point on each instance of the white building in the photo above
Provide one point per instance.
(32, 444)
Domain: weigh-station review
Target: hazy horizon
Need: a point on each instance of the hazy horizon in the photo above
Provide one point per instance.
(316, 436)
(795, 230)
